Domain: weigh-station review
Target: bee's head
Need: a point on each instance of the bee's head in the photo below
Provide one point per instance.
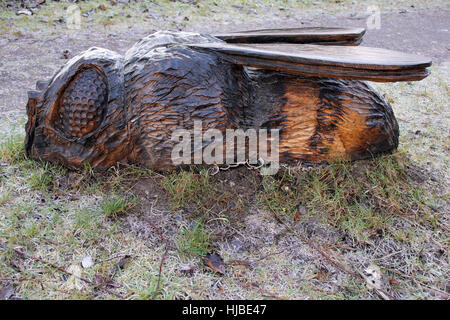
(79, 116)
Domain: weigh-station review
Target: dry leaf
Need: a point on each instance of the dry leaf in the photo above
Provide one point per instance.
(6, 292)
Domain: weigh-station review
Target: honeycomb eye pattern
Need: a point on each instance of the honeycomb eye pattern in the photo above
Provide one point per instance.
(82, 104)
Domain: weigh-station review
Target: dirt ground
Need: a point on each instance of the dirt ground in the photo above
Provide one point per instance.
(265, 259)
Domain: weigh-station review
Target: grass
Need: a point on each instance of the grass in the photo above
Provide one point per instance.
(277, 195)
(199, 195)
(44, 177)
(12, 150)
(5, 196)
(424, 113)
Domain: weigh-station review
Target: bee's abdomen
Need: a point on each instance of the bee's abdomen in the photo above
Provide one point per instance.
(82, 104)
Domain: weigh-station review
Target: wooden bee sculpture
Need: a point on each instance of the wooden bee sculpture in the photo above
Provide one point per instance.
(102, 108)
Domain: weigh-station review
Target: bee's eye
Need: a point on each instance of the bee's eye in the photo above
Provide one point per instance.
(82, 104)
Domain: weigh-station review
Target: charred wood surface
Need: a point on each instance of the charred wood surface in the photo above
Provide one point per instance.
(337, 36)
(344, 62)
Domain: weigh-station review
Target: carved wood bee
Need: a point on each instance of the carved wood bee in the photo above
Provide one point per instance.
(103, 108)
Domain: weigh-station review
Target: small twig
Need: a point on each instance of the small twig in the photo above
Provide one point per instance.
(163, 258)
(59, 269)
(270, 295)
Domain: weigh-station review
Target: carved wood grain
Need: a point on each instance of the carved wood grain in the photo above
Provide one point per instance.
(343, 62)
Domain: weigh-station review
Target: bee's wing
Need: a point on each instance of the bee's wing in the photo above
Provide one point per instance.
(344, 62)
(337, 36)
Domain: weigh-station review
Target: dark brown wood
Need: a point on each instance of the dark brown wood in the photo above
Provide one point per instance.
(344, 62)
(316, 35)
(102, 108)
